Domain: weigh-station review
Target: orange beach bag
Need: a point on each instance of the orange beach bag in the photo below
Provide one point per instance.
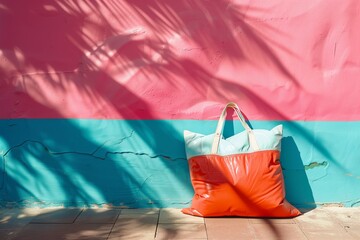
(237, 176)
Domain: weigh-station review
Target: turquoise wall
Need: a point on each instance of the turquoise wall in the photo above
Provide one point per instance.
(142, 163)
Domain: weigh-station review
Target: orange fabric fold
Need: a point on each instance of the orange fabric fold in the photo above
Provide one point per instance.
(246, 184)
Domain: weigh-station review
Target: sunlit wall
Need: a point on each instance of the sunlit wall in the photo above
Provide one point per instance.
(95, 95)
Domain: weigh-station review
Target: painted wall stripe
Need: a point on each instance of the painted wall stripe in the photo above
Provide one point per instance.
(137, 163)
(180, 59)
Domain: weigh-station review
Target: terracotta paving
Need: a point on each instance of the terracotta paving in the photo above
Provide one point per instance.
(59, 223)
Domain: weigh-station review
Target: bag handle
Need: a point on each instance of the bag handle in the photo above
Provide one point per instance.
(220, 126)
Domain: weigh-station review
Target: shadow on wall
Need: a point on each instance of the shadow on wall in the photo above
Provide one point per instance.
(49, 76)
(72, 168)
(297, 185)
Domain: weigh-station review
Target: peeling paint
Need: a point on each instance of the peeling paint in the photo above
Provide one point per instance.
(352, 175)
(330, 204)
(315, 165)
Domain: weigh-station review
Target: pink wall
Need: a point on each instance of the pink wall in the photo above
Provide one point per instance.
(292, 60)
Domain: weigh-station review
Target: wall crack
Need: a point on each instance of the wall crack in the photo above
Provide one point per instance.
(94, 154)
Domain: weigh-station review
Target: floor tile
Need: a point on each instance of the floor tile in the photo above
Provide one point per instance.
(16, 218)
(67, 215)
(345, 215)
(329, 234)
(136, 235)
(277, 231)
(353, 229)
(64, 231)
(141, 211)
(6, 234)
(98, 216)
(228, 228)
(167, 231)
(59, 223)
(135, 226)
(176, 216)
(317, 220)
(272, 220)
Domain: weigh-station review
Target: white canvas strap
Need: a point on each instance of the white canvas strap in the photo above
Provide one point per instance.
(220, 126)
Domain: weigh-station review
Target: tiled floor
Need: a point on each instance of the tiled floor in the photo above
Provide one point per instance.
(321, 223)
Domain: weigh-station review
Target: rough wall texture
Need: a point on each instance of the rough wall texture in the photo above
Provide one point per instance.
(94, 95)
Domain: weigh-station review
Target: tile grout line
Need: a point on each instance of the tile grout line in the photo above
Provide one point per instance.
(113, 225)
(207, 236)
(298, 224)
(157, 224)
(77, 216)
(338, 222)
